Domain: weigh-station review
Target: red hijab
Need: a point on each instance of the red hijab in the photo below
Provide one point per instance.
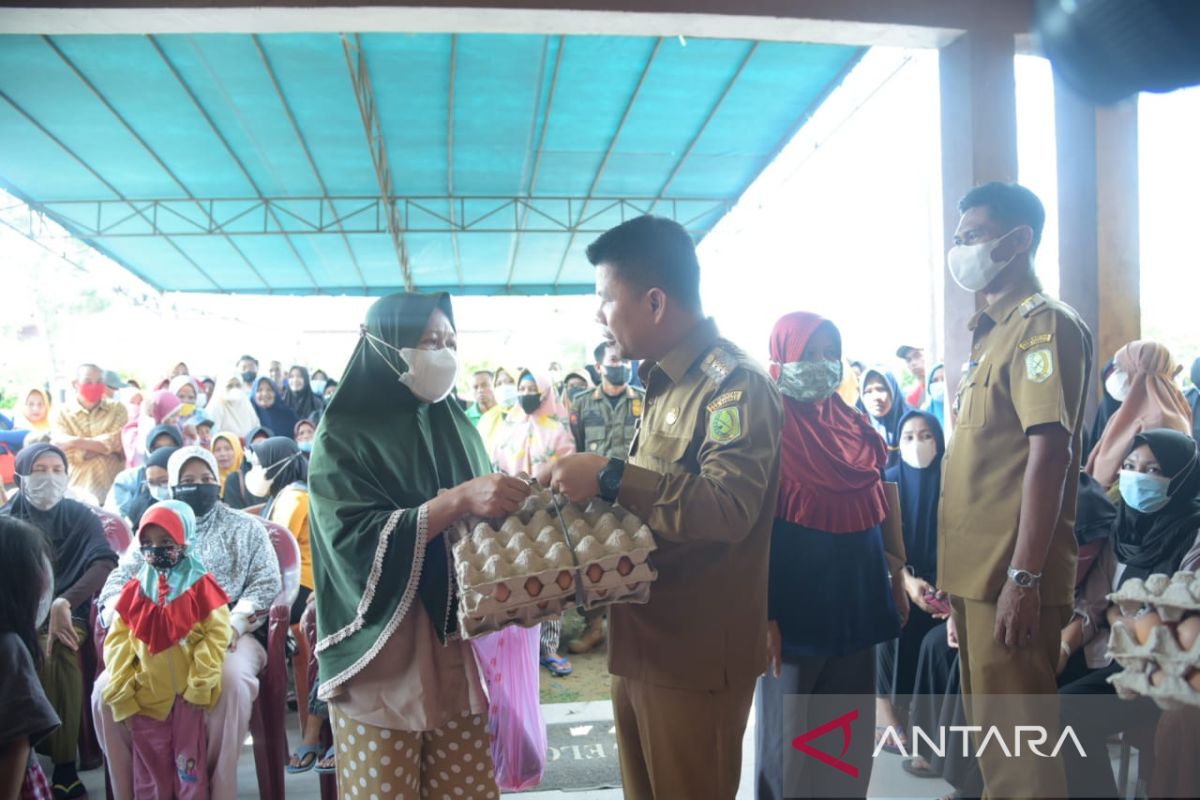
(830, 457)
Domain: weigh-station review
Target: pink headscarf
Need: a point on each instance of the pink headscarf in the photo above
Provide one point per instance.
(133, 436)
(529, 440)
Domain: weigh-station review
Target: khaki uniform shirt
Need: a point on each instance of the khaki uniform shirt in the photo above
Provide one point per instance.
(1030, 363)
(603, 427)
(703, 472)
(91, 472)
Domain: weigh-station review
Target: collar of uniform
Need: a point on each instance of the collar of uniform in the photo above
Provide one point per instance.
(677, 362)
(1006, 304)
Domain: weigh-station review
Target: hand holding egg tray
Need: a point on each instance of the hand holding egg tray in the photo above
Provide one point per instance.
(538, 564)
(1161, 654)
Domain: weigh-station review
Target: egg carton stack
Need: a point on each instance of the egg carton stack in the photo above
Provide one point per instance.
(529, 569)
(1160, 655)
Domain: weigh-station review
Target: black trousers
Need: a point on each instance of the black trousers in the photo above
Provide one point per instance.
(896, 659)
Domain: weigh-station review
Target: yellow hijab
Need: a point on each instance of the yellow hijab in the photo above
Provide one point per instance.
(238, 456)
(23, 422)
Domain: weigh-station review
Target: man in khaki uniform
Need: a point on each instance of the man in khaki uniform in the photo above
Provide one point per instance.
(88, 429)
(703, 472)
(1006, 547)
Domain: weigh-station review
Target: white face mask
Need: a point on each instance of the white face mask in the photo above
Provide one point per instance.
(431, 373)
(937, 391)
(47, 598)
(159, 492)
(201, 400)
(257, 482)
(972, 267)
(506, 394)
(918, 453)
(1117, 384)
(235, 395)
(44, 490)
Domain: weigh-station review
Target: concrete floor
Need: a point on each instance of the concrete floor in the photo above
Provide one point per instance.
(887, 780)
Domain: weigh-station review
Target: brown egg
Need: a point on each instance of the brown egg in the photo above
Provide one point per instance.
(1194, 679)
(1145, 624)
(502, 593)
(595, 572)
(1157, 677)
(624, 566)
(533, 586)
(564, 580)
(1187, 632)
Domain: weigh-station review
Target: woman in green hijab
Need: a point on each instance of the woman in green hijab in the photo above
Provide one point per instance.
(394, 464)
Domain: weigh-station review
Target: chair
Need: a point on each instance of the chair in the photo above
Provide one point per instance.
(255, 510)
(308, 633)
(268, 718)
(90, 756)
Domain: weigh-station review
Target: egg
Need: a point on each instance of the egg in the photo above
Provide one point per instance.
(533, 587)
(594, 573)
(1145, 624)
(563, 580)
(1157, 677)
(502, 593)
(1187, 632)
(1194, 680)
(624, 566)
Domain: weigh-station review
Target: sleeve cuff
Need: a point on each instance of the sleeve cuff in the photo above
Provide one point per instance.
(639, 488)
(240, 623)
(124, 708)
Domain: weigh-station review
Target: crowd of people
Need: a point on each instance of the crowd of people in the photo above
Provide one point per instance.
(817, 535)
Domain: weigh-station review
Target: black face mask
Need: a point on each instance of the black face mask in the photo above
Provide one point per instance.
(617, 375)
(530, 402)
(162, 557)
(248, 377)
(200, 496)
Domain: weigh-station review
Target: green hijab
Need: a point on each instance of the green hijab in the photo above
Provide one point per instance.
(379, 454)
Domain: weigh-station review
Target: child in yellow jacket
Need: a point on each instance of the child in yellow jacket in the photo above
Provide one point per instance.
(165, 651)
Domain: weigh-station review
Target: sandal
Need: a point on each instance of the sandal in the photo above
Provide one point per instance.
(328, 763)
(880, 731)
(909, 765)
(303, 759)
(558, 666)
(68, 792)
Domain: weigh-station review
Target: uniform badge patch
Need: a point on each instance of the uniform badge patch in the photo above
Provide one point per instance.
(1034, 341)
(636, 407)
(1039, 365)
(725, 424)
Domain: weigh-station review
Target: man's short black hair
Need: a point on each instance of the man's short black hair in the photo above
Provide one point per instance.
(1009, 204)
(248, 358)
(651, 252)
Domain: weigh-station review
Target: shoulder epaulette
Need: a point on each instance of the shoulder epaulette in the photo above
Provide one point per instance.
(718, 365)
(1032, 305)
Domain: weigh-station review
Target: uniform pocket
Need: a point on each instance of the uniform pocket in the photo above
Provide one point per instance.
(662, 449)
(973, 398)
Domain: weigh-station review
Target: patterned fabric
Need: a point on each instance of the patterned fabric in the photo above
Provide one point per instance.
(35, 787)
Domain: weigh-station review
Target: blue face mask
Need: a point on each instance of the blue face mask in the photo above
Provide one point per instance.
(1146, 494)
(305, 447)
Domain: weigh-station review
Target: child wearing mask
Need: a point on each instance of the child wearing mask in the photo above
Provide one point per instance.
(164, 653)
(280, 473)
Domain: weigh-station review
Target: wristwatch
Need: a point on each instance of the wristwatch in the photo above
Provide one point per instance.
(610, 479)
(1024, 578)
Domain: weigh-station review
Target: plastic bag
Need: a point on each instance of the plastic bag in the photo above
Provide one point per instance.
(508, 661)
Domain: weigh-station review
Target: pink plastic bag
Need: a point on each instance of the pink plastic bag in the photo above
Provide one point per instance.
(508, 660)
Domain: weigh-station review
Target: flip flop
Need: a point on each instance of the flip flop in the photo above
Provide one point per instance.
(558, 666)
(74, 790)
(329, 754)
(303, 756)
(921, 772)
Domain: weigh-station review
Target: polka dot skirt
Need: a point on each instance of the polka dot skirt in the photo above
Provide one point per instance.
(451, 763)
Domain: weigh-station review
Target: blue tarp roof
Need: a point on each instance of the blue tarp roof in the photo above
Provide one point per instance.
(329, 163)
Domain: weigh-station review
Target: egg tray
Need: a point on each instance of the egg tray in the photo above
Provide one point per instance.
(1172, 597)
(525, 571)
(1172, 693)
(1160, 650)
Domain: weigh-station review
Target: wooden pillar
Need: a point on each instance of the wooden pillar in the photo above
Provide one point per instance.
(1099, 273)
(979, 144)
